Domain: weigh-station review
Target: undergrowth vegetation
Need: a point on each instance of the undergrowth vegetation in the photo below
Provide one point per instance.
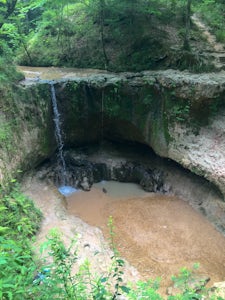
(110, 34)
(57, 274)
(8, 73)
(19, 221)
(212, 11)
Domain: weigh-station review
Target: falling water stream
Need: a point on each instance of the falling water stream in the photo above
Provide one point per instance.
(64, 188)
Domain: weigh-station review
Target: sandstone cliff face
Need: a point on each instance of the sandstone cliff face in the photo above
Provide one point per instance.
(25, 138)
(178, 114)
(203, 153)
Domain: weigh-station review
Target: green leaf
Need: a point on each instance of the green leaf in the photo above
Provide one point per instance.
(3, 261)
(3, 229)
(125, 289)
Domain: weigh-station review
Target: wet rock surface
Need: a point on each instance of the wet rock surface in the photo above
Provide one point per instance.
(81, 172)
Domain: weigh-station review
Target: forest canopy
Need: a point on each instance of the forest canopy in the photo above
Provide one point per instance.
(111, 34)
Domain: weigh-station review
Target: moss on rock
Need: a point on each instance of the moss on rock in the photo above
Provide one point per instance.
(27, 130)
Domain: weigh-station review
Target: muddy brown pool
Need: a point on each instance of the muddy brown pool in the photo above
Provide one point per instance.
(157, 234)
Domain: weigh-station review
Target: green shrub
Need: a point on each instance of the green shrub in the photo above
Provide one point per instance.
(220, 35)
(19, 221)
(18, 216)
(145, 290)
(8, 73)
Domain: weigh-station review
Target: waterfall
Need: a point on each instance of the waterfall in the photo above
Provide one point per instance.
(63, 189)
(58, 135)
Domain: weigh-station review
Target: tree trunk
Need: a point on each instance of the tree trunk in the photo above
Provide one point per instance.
(186, 45)
(102, 20)
(27, 53)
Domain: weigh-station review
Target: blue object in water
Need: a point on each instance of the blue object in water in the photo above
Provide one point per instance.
(67, 190)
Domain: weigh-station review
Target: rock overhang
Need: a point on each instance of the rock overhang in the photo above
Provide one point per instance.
(148, 108)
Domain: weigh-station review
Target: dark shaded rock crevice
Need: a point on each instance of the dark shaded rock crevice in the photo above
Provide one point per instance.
(82, 171)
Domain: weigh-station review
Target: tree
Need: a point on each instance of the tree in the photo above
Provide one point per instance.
(102, 21)
(7, 8)
(186, 44)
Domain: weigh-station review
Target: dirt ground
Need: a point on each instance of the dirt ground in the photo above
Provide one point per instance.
(156, 234)
(90, 243)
